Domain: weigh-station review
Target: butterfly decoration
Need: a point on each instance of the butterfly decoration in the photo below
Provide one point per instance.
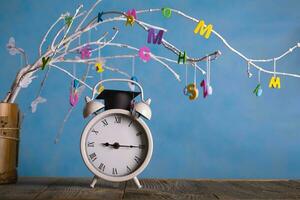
(11, 46)
(35, 103)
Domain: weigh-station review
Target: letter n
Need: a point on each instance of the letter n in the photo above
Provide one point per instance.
(155, 38)
(204, 30)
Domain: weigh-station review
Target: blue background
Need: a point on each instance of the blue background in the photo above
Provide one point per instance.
(231, 134)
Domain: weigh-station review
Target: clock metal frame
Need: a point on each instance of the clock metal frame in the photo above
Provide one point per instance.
(89, 165)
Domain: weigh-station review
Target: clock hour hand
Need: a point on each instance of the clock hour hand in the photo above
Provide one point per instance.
(116, 145)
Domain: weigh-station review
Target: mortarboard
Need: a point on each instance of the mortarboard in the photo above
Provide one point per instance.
(120, 99)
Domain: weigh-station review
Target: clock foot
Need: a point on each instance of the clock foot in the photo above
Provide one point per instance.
(137, 182)
(95, 179)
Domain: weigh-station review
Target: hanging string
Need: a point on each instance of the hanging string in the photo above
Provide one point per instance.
(195, 74)
(133, 65)
(274, 65)
(186, 74)
(259, 76)
(208, 70)
(99, 55)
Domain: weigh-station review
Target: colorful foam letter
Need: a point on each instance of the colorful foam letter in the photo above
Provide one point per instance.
(68, 20)
(144, 54)
(192, 89)
(274, 82)
(132, 85)
(130, 20)
(100, 89)
(204, 30)
(99, 18)
(85, 52)
(131, 17)
(73, 98)
(99, 67)
(45, 62)
(258, 90)
(167, 12)
(181, 57)
(132, 13)
(155, 38)
(204, 86)
(76, 84)
(185, 91)
(209, 90)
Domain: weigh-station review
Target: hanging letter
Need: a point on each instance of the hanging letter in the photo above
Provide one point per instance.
(181, 57)
(193, 91)
(204, 86)
(73, 99)
(132, 13)
(204, 30)
(155, 38)
(167, 12)
(144, 54)
(274, 82)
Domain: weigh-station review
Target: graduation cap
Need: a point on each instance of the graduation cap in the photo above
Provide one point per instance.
(120, 99)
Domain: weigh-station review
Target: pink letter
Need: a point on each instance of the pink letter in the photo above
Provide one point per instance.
(144, 53)
(131, 13)
(203, 84)
(73, 99)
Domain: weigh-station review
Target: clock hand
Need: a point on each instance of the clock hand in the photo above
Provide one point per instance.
(116, 145)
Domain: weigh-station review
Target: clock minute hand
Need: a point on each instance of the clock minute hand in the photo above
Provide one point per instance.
(116, 145)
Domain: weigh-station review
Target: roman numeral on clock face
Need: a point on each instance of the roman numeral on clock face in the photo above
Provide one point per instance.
(94, 131)
(91, 144)
(101, 167)
(139, 133)
(128, 169)
(118, 119)
(93, 156)
(137, 159)
(105, 123)
(114, 171)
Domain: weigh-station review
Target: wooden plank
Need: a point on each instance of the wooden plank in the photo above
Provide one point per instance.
(26, 188)
(214, 189)
(253, 189)
(167, 189)
(79, 189)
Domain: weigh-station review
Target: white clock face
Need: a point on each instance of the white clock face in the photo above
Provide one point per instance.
(116, 145)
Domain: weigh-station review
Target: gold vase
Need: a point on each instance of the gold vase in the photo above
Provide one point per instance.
(9, 142)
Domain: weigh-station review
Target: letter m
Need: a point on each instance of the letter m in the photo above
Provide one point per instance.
(274, 82)
(155, 38)
(132, 13)
(204, 30)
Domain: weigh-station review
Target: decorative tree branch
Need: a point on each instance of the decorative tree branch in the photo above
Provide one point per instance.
(59, 50)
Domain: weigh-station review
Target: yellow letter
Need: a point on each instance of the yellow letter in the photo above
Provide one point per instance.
(274, 82)
(203, 29)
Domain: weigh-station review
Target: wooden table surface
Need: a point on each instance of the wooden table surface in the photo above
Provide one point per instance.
(78, 188)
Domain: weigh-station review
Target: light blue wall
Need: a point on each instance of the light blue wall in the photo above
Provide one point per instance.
(231, 134)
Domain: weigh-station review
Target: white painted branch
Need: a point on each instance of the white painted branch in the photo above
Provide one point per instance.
(229, 46)
(72, 76)
(87, 14)
(279, 57)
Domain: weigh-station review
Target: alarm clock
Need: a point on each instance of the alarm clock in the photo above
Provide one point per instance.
(116, 144)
